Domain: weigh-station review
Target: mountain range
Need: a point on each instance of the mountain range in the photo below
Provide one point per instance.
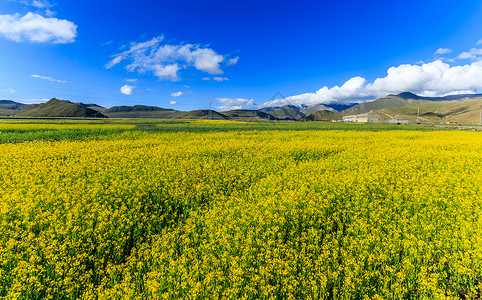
(453, 108)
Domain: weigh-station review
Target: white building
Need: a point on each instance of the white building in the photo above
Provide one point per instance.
(362, 118)
(398, 121)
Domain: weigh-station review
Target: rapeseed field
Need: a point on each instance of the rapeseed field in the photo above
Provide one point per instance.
(307, 214)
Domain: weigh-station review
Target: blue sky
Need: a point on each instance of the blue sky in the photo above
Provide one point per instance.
(188, 54)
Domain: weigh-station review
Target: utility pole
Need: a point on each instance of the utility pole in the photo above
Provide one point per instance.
(209, 111)
(418, 113)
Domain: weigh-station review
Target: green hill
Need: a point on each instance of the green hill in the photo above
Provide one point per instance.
(323, 115)
(60, 108)
(288, 114)
(94, 106)
(316, 107)
(143, 111)
(404, 99)
(247, 115)
(135, 108)
(12, 105)
(11, 108)
(382, 103)
(203, 114)
(140, 111)
(459, 111)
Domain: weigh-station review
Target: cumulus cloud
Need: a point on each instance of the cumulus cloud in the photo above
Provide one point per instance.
(47, 78)
(479, 42)
(177, 94)
(232, 61)
(127, 89)
(165, 60)
(37, 29)
(9, 91)
(166, 72)
(206, 78)
(234, 103)
(442, 51)
(219, 79)
(472, 54)
(430, 79)
(172, 102)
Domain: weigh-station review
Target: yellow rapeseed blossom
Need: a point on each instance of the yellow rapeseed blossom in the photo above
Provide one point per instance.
(242, 215)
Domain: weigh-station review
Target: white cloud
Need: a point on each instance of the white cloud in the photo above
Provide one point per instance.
(479, 42)
(206, 60)
(219, 79)
(206, 78)
(430, 79)
(113, 62)
(9, 91)
(107, 43)
(472, 54)
(131, 79)
(177, 94)
(41, 4)
(37, 29)
(127, 89)
(165, 61)
(442, 51)
(47, 78)
(50, 13)
(166, 72)
(234, 103)
(172, 102)
(232, 61)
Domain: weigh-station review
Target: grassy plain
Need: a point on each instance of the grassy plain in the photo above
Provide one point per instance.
(239, 210)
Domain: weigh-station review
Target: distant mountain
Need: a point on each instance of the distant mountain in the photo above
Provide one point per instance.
(93, 106)
(452, 108)
(323, 115)
(287, 113)
(402, 100)
(340, 107)
(309, 109)
(140, 111)
(459, 97)
(10, 108)
(454, 111)
(135, 108)
(317, 107)
(247, 115)
(272, 108)
(12, 105)
(409, 95)
(200, 114)
(144, 111)
(60, 108)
